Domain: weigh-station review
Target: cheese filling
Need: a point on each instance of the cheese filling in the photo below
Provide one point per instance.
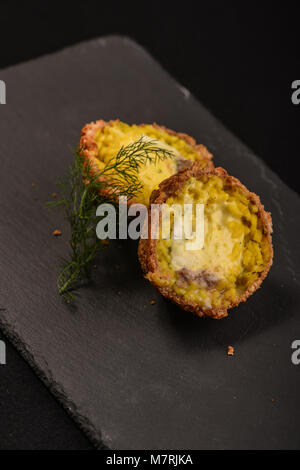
(234, 253)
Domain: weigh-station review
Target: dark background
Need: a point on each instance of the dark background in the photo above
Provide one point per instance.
(238, 60)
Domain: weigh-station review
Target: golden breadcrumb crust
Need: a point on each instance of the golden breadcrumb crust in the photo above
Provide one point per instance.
(147, 247)
(89, 146)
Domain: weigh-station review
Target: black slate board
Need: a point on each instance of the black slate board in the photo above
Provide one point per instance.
(135, 375)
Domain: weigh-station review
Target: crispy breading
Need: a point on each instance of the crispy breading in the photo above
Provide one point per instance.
(147, 247)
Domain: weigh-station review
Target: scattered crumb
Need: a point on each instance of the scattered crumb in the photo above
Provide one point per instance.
(33, 185)
(273, 400)
(53, 194)
(56, 233)
(117, 267)
(105, 242)
(230, 350)
(95, 266)
(152, 302)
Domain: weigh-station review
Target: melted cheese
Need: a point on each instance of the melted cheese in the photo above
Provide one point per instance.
(219, 245)
(235, 249)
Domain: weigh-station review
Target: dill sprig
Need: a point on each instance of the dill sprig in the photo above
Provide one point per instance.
(83, 190)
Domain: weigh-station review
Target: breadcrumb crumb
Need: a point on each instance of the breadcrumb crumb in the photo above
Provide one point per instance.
(57, 233)
(230, 350)
(152, 302)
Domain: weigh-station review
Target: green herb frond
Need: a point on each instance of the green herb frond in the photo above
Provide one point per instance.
(82, 191)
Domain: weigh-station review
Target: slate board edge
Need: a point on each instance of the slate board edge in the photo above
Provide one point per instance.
(54, 387)
(132, 43)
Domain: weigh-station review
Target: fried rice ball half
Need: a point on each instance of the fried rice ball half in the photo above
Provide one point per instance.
(100, 142)
(237, 252)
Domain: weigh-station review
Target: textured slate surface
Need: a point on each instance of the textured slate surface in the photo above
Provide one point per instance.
(136, 375)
